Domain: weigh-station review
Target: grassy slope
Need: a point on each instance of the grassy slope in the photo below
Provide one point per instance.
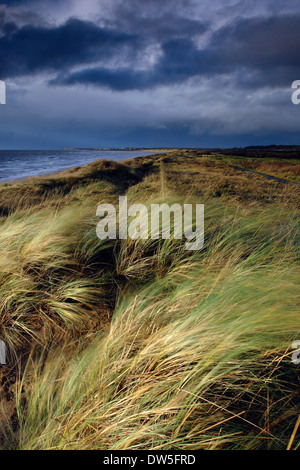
(141, 344)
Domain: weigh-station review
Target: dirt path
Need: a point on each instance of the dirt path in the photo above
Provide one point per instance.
(262, 174)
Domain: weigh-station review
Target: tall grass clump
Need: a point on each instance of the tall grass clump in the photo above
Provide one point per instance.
(47, 283)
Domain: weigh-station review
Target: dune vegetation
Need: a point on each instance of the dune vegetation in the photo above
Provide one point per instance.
(140, 344)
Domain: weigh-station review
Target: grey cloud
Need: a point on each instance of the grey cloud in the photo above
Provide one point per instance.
(12, 18)
(33, 49)
(157, 19)
(260, 51)
(259, 42)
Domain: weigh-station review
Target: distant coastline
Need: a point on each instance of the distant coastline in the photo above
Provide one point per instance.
(21, 165)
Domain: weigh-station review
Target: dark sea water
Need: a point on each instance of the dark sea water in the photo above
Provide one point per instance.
(22, 163)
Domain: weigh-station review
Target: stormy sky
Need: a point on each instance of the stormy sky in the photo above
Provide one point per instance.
(176, 73)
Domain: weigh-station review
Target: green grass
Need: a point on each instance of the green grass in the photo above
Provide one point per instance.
(141, 344)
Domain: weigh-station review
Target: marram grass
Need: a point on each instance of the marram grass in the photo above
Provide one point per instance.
(186, 365)
(197, 354)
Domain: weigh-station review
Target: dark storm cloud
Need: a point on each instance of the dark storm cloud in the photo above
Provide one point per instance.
(32, 49)
(6, 27)
(13, 18)
(180, 60)
(260, 51)
(255, 51)
(259, 43)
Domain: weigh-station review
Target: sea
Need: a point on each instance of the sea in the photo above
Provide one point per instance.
(16, 164)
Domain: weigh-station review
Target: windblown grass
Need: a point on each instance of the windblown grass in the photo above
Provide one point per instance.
(190, 362)
(197, 354)
(47, 283)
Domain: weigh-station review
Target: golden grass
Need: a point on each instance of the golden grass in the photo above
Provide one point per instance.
(197, 352)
